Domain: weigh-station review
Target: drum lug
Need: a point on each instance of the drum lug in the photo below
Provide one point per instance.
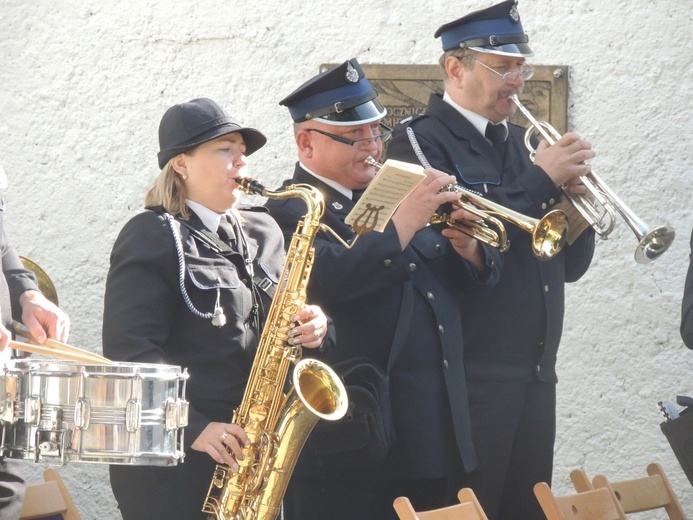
(176, 415)
(50, 444)
(133, 415)
(9, 410)
(8, 414)
(82, 413)
(32, 410)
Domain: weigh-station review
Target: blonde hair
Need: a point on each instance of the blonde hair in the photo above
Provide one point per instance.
(169, 190)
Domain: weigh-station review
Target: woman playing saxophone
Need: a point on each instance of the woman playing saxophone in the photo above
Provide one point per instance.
(189, 284)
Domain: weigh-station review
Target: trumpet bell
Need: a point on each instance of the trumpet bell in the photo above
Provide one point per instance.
(550, 234)
(654, 243)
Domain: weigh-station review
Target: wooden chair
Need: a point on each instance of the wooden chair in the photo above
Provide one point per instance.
(595, 504)
(637, 495)
(48, 498)
(468, 509)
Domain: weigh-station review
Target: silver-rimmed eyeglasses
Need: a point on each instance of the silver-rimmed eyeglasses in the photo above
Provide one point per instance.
(383, 136)
(524, 71)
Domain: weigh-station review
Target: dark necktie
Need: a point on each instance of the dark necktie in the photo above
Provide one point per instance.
(226, 232)
(356, 195)
(496, 134)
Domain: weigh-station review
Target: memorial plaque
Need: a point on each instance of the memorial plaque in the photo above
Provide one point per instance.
(404, 90)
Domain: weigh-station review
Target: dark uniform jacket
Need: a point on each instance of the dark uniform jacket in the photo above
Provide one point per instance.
(146, 320)
(512, 331)
(687, 306)
(362, 290)
(14, 280)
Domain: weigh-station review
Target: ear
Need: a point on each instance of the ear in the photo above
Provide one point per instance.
(455, 70)
(179, 164)
(303, 141)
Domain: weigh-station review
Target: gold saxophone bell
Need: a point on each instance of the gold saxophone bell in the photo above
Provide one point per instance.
(600, 213)
(549, 234)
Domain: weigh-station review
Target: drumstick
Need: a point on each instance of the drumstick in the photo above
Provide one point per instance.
(86, 357)
(52, 346)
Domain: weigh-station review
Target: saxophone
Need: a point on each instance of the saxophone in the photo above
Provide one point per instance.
(278, 423)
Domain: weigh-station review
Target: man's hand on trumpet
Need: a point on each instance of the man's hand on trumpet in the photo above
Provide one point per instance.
(418, 207)
(467, 247)
(565, 160)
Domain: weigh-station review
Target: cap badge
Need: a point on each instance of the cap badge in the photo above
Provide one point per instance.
(514, 15)
(352, 75)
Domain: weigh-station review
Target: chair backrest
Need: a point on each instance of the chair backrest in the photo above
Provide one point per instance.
(637, 495)
(645, 493)
(48, 498)
(468, 509)
(595, 504)
(580, 480)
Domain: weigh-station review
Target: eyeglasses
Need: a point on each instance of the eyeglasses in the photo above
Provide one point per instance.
(524, 71)
(383, 136)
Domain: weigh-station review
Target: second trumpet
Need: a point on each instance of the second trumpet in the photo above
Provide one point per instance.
(549, 234)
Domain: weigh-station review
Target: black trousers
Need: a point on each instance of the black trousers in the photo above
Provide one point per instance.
(163, 493)
(367, 495)
(12, 488)
(514, 430)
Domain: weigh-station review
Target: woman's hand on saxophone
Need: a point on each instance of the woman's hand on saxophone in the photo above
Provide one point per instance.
(223, 442)
(309, 327)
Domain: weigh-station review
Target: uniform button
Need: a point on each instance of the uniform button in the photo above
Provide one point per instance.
(387, 263)
(441, 329)
(552, 201)
(412, 267)
(245, 281)
(541, 344)
(546, 288)
(538, 368)
(543, 205)
(445, 364)
(437, 247)
(430, 296)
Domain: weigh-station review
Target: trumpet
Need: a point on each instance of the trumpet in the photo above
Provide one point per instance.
(600, 213)
(549, 233)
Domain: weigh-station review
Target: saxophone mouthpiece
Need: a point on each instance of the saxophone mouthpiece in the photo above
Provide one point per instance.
(250, 186)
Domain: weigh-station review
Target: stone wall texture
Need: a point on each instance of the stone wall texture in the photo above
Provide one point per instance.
(85, 82)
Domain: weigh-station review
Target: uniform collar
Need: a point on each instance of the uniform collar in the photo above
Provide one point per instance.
(478, 121)
(209, 218)
(332, 184)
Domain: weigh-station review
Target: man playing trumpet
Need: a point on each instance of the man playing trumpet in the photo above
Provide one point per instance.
(365, 288)
(511, 332)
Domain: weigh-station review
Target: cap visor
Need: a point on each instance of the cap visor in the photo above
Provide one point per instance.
(368, 112)
(511, 49)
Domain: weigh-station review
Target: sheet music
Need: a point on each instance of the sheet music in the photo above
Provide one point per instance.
(394, 181)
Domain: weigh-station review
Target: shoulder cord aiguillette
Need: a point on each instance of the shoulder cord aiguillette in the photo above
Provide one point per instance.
(218, 318)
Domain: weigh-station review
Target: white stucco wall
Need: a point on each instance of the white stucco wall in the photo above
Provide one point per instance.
(83, 84)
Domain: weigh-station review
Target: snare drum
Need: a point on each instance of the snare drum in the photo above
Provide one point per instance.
(125, 413)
